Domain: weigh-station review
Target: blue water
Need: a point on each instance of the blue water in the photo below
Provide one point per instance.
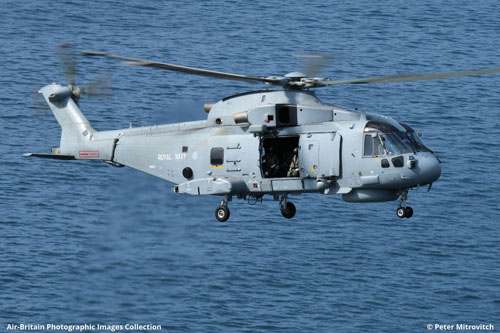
(81, 242)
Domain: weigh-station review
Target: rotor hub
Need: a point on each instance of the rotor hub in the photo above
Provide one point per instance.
(295, 76)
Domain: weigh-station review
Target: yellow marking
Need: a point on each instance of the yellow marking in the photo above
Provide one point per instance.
(377, 159)
(217, 167)
(312, 169)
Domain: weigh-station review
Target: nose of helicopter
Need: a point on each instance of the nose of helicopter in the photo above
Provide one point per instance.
(429, 168)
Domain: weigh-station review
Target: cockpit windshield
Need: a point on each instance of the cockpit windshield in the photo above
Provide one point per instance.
(415, 138)
(384, 139)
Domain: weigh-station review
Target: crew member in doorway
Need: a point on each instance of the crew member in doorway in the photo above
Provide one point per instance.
(293, 171)
(272, 163)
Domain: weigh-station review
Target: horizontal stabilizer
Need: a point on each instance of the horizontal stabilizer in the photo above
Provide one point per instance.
(53, 156)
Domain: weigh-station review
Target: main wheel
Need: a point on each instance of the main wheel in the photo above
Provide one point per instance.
(288, 211)
(401, 212)
(409, 212)
(222, 213)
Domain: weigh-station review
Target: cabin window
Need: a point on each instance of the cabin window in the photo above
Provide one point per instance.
(217, 156)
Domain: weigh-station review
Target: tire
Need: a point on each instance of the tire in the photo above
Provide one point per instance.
(409, 212)
(401, 212)
(289, 211)
(222, 213)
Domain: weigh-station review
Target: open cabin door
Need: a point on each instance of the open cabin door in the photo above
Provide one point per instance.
(278, 155)
(279, 165)
(319, 155)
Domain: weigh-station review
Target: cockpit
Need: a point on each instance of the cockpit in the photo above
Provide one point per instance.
(415, 138)
(382, 139)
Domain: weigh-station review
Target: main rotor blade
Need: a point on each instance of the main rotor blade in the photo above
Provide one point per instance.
(407, 77)
(188, 70)
(315, 63)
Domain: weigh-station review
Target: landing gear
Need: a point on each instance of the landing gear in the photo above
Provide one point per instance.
(401, 212)
(409, 212)
(404, 211)
(222, 212)
(287, 208)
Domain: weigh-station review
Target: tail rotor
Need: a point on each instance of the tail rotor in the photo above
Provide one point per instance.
(99, 85)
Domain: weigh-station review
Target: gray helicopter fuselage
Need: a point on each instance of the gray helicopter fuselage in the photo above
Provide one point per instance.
(266, 142)
(263, 142)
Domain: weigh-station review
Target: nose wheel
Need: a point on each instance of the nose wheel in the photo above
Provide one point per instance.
(404, 211)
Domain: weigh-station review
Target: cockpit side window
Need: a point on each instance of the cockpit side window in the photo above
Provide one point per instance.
(397, 143)
(383, 138)
(368, 145)
(373, 145)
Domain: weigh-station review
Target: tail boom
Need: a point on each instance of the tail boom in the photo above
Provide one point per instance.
(79, 140)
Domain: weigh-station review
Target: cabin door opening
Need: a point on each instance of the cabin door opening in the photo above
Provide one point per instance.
(279, 157)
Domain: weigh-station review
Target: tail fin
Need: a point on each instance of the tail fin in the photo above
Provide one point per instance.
(76, 130)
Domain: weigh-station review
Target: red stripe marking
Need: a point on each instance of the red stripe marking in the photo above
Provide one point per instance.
(89, 154)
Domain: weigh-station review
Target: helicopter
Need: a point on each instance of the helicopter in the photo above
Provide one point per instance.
(276, 142)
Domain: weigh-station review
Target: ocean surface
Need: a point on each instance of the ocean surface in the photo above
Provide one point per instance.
(82, 242)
